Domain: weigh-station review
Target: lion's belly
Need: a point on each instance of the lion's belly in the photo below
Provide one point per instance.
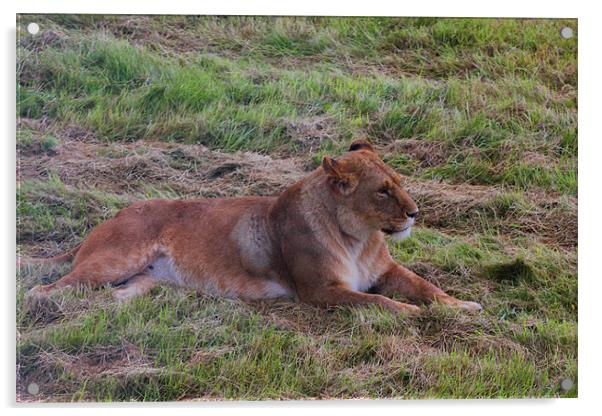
(211, 281)
(163, 269)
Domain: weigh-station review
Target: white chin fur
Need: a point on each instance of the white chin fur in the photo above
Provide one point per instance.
(402, 234)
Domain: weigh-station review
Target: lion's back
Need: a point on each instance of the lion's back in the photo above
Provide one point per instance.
(193, 223)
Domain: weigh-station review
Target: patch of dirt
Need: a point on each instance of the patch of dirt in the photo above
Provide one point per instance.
(140, 30)
(427, 153)
(35, 149)
(458, 209)
(310, 134)
(536, 159)
(187, 170)
(124, 361)
(44, 39)
(31, 124)
(110, 360)
(78, 133)
(102, 361)
(208, 355)
(132, 26)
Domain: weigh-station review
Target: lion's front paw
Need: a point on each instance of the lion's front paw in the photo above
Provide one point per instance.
(406, 308)
(457, 303)
(413, 309)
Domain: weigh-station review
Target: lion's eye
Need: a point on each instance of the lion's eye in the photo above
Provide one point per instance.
(383, 192)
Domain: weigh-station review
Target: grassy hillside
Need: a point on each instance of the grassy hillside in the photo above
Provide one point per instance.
(479, 115)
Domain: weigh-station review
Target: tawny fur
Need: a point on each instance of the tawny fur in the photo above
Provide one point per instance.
(322, 241)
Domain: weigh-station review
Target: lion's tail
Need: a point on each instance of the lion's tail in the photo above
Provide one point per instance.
(61, 258)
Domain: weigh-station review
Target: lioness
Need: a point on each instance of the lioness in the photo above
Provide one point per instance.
(322, 241)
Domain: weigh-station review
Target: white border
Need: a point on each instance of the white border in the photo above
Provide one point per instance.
(589, 32)
(457, 8)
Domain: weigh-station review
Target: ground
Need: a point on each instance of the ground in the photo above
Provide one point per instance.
(480, 116)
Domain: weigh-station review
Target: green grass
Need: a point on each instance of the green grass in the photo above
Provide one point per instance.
(126, 91)
(28, 142)
(48, 210)
(180, 346)
(481, 114)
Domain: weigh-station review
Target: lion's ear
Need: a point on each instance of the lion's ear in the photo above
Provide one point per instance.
(344, 183)
(331, 167)
(361, 144)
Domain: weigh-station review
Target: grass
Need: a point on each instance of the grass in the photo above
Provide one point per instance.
(126, 91)
(480, 114)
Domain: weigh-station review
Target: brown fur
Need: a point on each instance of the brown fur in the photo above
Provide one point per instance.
(322, 241)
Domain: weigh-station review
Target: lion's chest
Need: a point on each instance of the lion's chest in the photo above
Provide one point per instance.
(359, 269)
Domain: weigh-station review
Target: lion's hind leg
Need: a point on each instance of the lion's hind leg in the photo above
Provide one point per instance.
(97, 271)
(138, 285)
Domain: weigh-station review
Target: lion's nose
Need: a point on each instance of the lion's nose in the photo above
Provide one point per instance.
(412, 214)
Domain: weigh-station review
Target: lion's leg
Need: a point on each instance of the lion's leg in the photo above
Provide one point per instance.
(398, 279)
(138, 285)
(96, 271)
(339, 294)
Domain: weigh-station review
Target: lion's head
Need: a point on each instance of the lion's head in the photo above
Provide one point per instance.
(371, 190)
